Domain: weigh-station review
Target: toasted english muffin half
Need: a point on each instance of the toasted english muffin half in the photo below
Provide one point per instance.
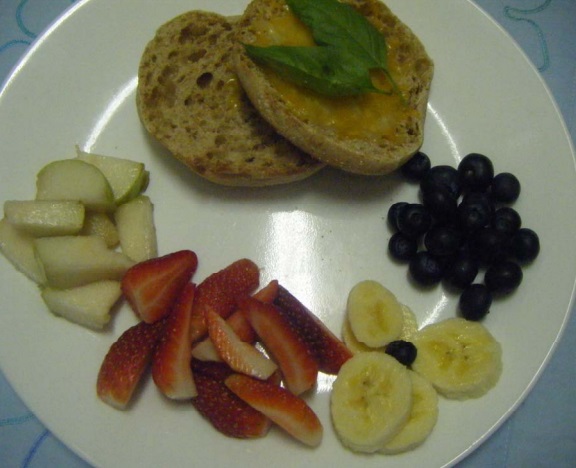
(190, 100)
(371, 134)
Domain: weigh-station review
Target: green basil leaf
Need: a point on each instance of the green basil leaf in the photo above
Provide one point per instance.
(326, 70)
(340, 25)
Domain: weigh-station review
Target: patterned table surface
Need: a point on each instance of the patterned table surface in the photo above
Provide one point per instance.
(542, 432)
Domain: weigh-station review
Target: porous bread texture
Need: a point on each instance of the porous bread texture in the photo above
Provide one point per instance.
(369, 156)
(191, 101)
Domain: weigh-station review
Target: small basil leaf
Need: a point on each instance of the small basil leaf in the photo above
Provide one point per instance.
(326, 70)
(340, 25)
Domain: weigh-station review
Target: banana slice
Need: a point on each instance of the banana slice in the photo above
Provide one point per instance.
(422, 419)
(371, 401)
(374, 313)
(409, 324)
(351, 342)
(459, 357)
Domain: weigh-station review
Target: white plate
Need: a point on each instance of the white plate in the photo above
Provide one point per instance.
(318, 237)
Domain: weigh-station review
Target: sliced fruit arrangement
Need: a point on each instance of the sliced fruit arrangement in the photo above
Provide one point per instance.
(87, 225)
(455, 358)
(249, 367)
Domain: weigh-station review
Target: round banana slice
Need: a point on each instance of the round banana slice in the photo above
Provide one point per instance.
(351, 342)
(459, 357)
(371, 400)
(374, 313)
(422, 419)
(409, 325)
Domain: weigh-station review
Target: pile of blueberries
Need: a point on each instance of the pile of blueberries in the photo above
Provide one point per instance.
(463, 225)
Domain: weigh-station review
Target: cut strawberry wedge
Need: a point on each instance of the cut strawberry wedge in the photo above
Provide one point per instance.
(297, 364)
(171, 369)
(287, 410)
(151, 287)
(329, 351)
(126, 362)
(219, 291)
(240, 356)
(205, 350)
(225, 411)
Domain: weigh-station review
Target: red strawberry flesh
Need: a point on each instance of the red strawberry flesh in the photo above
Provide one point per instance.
(152, 286)
(328, 349)
(171, 369)
(226, 412)
(205, 350)
(298, 366)
(287, 410)
(240, 356)
(219, 292)
(126, 362)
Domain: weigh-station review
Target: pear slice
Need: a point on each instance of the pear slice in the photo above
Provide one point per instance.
(127, 178)
(71, 261)
(18, 247)
(45, 217)
(73, 179)
(89, 305)
(135, 224)
(101, 224)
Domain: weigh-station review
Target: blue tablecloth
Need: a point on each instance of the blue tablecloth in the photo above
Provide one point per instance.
(542, 432)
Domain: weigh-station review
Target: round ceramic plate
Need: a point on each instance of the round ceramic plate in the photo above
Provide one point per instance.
(318, 237)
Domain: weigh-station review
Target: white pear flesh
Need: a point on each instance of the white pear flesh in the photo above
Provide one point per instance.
(136, 229)
(89, 305)
(71, 261)
(100, 224)
(41, 218)
(73, 179)
(127, 178)
(18, 248)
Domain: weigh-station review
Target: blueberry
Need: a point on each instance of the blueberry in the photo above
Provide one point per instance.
(505, 188)
(462, 270)
(403, 351)
(443, 176)
(503, 277)
(416, 167)
(475, 211)
(402, 247)
(440, 202)
(506, 220)
(414, 220)
(475, 302)
(476, 172)
(426, 269)
(392, 215)
(525, 245)
(443, 240)
(488, 245)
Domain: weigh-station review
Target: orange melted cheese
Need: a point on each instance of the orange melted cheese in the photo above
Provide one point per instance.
(366, 116)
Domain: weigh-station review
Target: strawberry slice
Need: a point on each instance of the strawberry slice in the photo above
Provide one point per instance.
(152, 286)
(220, 370)
(225, 411)
(284, 408)
(219, 291)
(125, 363)
(268, 293)
(297, 364)
(329, 350)
(240, 356)
(171, 369)
(206, 351)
